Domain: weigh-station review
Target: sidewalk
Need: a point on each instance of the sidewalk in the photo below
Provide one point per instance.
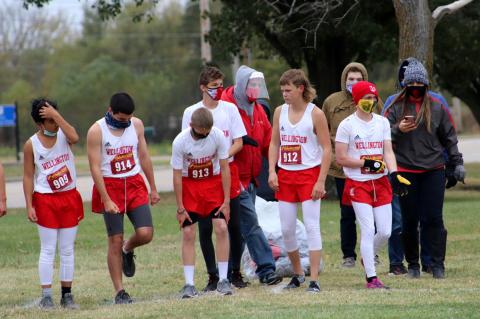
(469, 146)
(15, 198)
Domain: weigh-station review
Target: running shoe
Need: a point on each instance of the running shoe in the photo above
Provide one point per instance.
(313, 287)
(128, 264)
(413, 273)
(46, 302)
(397, 270)
(295, 282)
(237, 280)
(271, 279)
(211, 284)
(438, 272)
(376, 284)
(348, 262)
(122, 297)
(189, 291)
(224, 287)
(67, 302)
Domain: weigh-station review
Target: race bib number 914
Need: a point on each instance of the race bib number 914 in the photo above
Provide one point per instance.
(59, 179)
(291, 154)
(122, 163)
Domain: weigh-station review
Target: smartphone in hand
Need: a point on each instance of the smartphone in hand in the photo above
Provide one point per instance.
(409, 118)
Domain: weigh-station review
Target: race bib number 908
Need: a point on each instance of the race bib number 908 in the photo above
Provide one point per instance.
(59, 179)
(122, 163)
(200, 171)
(291, 154)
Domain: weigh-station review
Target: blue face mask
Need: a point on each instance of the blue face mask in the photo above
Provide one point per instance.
(114, 123)
(48, 133)
(215, 93)
(349, 86)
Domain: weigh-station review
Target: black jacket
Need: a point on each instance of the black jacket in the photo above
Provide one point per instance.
(420, 149)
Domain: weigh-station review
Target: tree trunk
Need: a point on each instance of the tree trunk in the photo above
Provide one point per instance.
(416, 29)
(325, 67)
(472, 99)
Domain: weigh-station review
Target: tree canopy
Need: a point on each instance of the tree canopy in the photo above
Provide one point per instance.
(321, 36)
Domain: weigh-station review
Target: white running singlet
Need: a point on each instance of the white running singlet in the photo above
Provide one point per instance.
(54, 167)
(119, 153)
(299, 147)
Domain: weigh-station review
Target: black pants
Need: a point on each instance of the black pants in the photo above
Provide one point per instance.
(348, 228)
(424, 204)
(205, 229)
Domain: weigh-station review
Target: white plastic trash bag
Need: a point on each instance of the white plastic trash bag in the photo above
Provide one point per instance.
(269, 221)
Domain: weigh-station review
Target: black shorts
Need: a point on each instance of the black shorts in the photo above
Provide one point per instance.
(196, 217)
(139, 217)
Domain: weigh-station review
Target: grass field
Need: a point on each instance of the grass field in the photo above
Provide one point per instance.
(159, 276)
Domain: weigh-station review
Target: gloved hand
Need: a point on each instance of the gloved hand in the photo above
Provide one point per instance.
(399, 184)
(459, 173)
(374, 165)
(247, 140)
(454, 174)
(451, 180)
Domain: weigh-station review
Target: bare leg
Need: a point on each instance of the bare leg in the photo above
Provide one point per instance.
(142, 236)
(222, 241)
(114, 260)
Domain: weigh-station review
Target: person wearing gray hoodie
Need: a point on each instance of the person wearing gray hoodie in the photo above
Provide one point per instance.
(250, 86)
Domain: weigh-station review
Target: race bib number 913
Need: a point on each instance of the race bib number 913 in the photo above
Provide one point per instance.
(59, 179)
(122, 163)
(200, 171)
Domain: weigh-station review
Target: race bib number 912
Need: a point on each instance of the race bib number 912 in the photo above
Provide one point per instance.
(291, 154)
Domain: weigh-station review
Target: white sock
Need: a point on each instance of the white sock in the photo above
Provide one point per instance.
(123, 248)
(222, 270)
(46, 292)
(188, 272)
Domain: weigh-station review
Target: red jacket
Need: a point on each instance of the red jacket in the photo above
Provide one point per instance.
(249, 159)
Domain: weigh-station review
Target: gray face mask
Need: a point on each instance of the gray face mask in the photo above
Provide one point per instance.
(48, 133)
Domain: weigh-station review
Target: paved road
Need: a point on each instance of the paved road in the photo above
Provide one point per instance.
(15, 199)
(469, 146)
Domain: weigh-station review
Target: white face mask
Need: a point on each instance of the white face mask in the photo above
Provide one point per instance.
(350, 85)
(48, 133)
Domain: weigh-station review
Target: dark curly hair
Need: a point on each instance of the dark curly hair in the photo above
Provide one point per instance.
(37, 105)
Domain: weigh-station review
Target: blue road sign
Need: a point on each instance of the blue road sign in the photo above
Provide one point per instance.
(7, 115)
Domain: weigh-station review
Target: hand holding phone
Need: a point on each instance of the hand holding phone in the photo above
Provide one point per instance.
(409, 118)
(407, 124)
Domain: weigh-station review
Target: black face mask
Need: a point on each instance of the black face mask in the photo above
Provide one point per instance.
(416, 91)
(198, 136)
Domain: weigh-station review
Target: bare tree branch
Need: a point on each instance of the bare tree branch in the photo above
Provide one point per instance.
(441, 11)
(22, 30)
(307, 17)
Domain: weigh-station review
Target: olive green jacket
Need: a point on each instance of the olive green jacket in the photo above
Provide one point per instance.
(337, 107)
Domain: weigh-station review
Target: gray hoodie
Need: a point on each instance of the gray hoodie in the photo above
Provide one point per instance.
(241, 81)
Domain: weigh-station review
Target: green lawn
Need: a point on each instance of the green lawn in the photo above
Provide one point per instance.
(159, 276)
